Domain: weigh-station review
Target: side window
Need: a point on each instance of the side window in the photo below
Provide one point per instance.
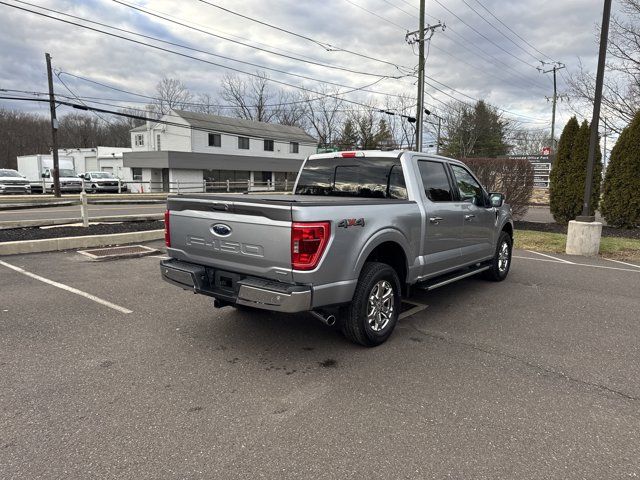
(435, 181)
(470, 189)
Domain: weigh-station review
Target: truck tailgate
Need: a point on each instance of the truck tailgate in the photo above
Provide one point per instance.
(231, 234)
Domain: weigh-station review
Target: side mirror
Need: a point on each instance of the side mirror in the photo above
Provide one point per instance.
(496, 199)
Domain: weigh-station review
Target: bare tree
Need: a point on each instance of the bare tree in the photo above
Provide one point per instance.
(205, 103)
(403, 131)
(324, 114)
(292, 110)
(251, 99)
(528, 142)
(621, 90)
(171, 93)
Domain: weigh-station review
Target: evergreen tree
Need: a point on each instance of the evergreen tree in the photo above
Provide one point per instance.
(569, 172)
(383, 137)
(349, 136)
(475, 131)
(621, 199)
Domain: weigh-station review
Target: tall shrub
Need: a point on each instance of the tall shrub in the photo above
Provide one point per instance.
(512, 177)
(621, 199)
(569, 173)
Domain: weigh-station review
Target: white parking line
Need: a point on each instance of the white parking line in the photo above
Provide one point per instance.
(623, 263)
(67, 288)
(549, 256)
(578, 264)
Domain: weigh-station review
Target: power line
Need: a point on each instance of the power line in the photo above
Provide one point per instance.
(291, 57)
(327, 46)
(187, 47)
(200, 104)
(377, 16)
(483, 35)
(499, 31)
(489, 57)
(511, 30)
(280, 82)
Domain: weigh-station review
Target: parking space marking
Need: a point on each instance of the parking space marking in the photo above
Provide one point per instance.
(418, 307)
(623, 263)
(549, 256)
(67, 288)
(577, 264)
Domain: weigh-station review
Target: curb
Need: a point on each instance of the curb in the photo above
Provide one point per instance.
(68, 243)
(64, 221)
(20, 206)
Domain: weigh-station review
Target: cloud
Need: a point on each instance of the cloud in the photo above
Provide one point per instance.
(458, 57)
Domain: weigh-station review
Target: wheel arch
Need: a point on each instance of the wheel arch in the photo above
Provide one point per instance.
(388, 247)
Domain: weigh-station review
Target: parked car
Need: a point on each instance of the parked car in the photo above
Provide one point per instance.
(96, 182)
(12, 182)
(360, 231)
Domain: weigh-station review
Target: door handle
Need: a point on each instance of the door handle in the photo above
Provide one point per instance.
(435, 220)
(469, 217)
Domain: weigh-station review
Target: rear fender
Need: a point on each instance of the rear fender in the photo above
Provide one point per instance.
(380, 237)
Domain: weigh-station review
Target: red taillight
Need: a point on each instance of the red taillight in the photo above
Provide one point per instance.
(308, 242)
(167, 230)
(348, 154)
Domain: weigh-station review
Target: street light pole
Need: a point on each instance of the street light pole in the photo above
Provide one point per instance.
(597, 100)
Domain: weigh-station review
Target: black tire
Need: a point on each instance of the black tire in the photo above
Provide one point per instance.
(355, 325)
(498, 271)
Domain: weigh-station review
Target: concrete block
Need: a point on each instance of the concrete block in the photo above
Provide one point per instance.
(583, 238)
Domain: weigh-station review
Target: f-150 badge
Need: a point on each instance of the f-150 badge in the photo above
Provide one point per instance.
(351, 222)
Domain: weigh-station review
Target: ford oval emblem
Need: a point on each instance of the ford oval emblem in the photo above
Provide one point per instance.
(221, 229)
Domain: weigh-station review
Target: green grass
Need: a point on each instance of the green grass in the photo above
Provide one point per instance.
(610, 247)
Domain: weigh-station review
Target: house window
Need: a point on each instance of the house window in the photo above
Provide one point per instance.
(215, 140)
(136, 174)
(139, 140)
(243, 143)
(268, 145)
(158, 147)
(294, 147)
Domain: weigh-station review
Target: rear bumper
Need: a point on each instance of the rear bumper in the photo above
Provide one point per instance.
(235, 289)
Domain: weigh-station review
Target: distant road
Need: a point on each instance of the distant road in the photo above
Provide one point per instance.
(535, 214)
(74, 211)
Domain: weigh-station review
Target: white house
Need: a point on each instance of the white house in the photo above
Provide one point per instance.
(187, 149)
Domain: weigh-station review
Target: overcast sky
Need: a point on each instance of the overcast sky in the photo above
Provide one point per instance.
(483, 65)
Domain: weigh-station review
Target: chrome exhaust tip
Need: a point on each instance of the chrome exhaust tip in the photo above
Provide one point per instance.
(329, 319)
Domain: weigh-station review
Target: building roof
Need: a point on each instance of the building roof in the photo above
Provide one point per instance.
(210, 161)
(246, 128)
(140, 128)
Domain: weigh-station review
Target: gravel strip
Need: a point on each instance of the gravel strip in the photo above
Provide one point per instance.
(558, 228)
(36, 233)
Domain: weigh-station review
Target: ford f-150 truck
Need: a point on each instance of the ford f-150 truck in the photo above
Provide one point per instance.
(360, 230)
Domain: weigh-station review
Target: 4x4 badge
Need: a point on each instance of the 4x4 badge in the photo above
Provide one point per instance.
(351, 222)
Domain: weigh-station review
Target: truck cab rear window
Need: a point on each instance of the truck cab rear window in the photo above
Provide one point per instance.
(357, 177)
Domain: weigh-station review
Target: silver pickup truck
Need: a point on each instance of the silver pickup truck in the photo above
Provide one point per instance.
(361, 229)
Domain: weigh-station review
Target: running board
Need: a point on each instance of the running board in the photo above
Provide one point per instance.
(442, 281)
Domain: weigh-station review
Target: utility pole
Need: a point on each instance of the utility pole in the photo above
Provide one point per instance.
(418, 36)
(54, 129)
(556, 66)
(438, 139)
(595, 119)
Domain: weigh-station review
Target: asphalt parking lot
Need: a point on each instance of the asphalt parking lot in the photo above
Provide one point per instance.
(534, 377)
